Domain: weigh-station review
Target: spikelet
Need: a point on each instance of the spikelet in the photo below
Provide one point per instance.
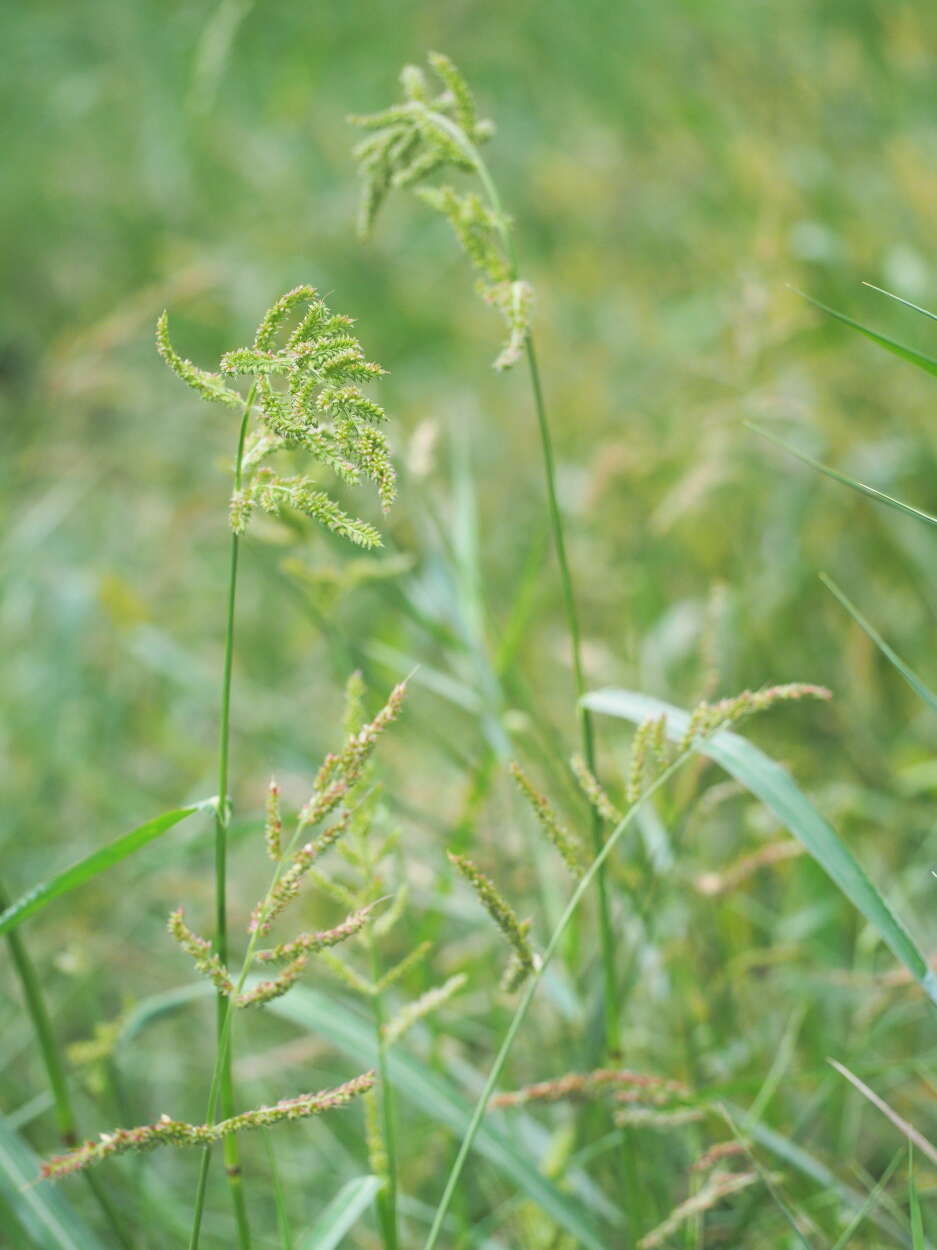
(199, 948)
(288, 885)
(578, 1087)
(592, 789)
(707, 718)
(374, 1137)
(309, 400)
(648, 732)
(410, 960)
(312, 943)
(209, 385)
(167, 1131)
(569, 847)
(408, 144)
(421, 1007)
(273, 827)
(504, 916)
(267, 991)
(715, 1154)
(719, 1187)
(730, 878)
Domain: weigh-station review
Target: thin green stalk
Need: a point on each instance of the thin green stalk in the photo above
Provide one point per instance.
(523, 1006)
(587, 731)
(231, 1149)
(55, 1069)
(387, 1198)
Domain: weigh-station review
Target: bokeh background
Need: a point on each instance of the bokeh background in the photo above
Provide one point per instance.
(675, 171)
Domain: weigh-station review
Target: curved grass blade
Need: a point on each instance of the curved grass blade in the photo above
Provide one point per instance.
(342, 1213)
(863, 489)
(904, 669)
(910, 1132)
(925, 312)
(927, 363)
(775, 787)
(98, 861)
(42, 1211)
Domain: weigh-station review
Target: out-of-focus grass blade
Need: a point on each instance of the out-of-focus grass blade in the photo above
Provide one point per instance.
(927, 363)
(98, 861)
(901, 300)
(863, 489)
(436, 1097)
(42, 1211)
(910, 1132)
(870, 1203)
(808, 1165)
(342, 1213)
(777, 790)
(906, 672)
(914, 1205)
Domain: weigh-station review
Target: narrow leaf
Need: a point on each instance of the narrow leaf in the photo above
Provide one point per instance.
(914, 1205)
(900, 300)
(910, 1132)
(927, 363)
(43, 1212)
(342, 1213)
(904, 669)
(769, 782)
(97, 862)
(844, 478)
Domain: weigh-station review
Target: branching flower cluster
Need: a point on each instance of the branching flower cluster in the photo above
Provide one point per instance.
(306, 382)
(424, 135)
(333, 799)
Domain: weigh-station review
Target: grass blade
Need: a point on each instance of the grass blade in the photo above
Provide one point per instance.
(97, 862)
(775, 787)
(914, 1205)
(863, 489)
(900, 300)
(927, 363)
(904, 669)
(910, 1132)
(42, 1211)
(342, 1213)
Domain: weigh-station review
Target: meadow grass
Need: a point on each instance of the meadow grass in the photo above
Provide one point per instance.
(755, 932)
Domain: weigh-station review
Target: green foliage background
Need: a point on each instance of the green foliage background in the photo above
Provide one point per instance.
(673, 168)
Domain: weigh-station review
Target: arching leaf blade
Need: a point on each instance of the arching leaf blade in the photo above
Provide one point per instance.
(769, 782)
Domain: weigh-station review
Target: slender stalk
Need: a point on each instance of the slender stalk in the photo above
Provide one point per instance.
(231, 1149)
(586, 727)
(55, 1069)
(387, 1198)
(523, 1006)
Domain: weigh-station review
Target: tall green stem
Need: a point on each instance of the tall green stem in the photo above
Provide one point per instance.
(231, 1149)
(387, 1198)
(55, 1070)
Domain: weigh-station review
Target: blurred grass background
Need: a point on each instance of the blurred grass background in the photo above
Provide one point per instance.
(673, 168)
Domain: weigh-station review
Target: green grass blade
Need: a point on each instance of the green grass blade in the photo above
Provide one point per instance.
(925, 312)
(342, 1213)
(42, 1211)
(908, 1130)
(868, 1206)
(914, 1206)
(438, 1098)
(863, 489)
(905, 670)
(97, 862)
(801, 1160)
(927, 363)
(777, 790)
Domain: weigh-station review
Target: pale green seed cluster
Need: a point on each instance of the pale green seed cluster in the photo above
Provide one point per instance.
(432, 131)
(167, 1131)
(523, 960)
(569, 847)
(306, 383)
